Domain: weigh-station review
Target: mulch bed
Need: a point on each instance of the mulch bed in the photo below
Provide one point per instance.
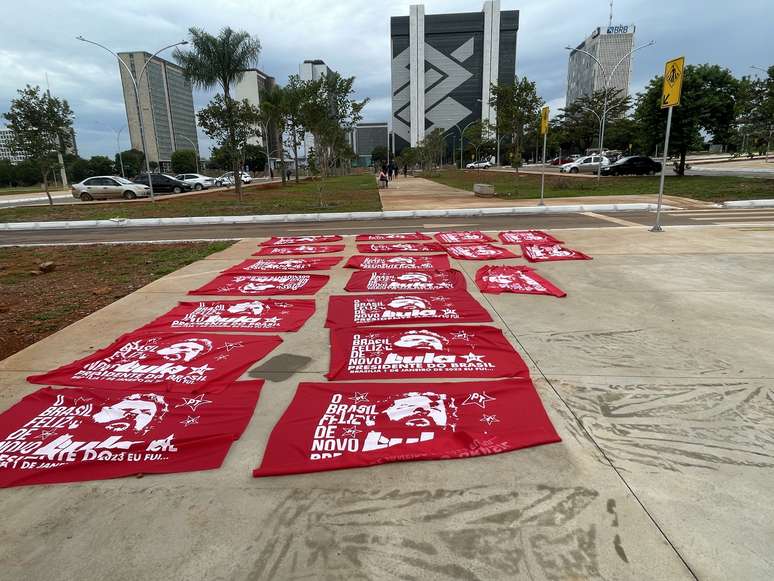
(82, 279)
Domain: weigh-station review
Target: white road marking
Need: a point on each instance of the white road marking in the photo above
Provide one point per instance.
(612, 219)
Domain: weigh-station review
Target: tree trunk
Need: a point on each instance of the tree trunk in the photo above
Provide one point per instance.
(45, 187)
(681, 168)
(295, 153)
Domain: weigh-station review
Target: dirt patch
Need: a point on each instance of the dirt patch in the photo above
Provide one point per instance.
(79, 281)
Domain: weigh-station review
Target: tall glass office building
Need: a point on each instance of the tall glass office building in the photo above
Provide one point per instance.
(166, 101)
(609, 45)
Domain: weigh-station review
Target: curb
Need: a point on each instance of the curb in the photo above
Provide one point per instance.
(748, 204)
(327, 217)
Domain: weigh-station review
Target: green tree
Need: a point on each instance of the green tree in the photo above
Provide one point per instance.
(328, 113)
(230, 126)
(273, 114)
(517, 105)
(296, 94)
(379, 155)
(132, 160)
(431, 149)
(255, 157)
(221, 61)
(478, 137)
(184, 161)
(101, 165)
(6, 173)
(707, 104)
(577, 124)
(40, 126)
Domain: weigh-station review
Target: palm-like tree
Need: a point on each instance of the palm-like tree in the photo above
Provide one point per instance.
(220, 61)
(273, 111)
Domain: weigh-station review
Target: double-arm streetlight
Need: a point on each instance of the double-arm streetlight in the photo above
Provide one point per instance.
(196, 151)
(607, 76)
(599, 134)
(118, 148)
(135, 83)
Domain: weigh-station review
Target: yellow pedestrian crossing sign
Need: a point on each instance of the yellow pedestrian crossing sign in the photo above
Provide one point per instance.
(544, 121)
(673, 83)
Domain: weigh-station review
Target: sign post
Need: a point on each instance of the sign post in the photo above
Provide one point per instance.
(670, 98)
(544, 131)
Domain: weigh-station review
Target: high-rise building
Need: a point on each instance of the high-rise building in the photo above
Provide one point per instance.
(311, 70)
(609, 45)
(166, 101)
(364, 137)
(251, 86)
(5, 147)
(443, 66)
(7, 153)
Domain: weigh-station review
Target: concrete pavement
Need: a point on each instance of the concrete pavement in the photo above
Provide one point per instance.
(655, 370)
(422, 194)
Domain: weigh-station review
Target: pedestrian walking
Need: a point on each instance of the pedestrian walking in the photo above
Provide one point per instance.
(383, 179)
(405, 170)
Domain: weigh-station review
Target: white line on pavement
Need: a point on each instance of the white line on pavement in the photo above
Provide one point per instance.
(618, 221)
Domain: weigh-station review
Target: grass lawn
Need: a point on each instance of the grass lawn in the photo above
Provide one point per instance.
(25, 190)
(85, 278)
(707, 188)
(353, 193)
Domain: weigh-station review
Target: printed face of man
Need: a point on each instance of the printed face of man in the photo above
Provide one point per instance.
(401, 260)
(407, 303)
(502, 279)
(418, 410)
(252, 287)
(414, 277)
(185, 350)
(256, 308)
(420, 341)
(136, 414)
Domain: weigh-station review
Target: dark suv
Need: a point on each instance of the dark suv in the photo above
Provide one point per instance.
(635, 164)
(163, 183)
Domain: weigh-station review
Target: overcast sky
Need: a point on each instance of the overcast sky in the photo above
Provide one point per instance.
(351, 36)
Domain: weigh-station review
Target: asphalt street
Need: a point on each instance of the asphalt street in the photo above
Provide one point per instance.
(752, 217)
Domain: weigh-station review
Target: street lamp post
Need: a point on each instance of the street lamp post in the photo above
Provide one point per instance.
(196, 151)
(607, 76)
(118, 149)
(135, 83)
(599, 136)
(462, 132)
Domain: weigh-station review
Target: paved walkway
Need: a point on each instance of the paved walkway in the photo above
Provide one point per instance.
(412, 193)
(656, 370)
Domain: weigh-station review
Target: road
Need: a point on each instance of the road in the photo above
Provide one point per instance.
(754, 217)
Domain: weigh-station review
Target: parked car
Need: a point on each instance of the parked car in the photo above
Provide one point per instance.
(227, 179)
(483, 164)
(561, 160)
(107, 187)
(196, 180)
(586, 164)
(163, 183)
(635, 164)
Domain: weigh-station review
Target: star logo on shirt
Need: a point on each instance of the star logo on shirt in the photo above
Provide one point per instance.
(231, 346)
(479, 399)
(360, 397)
(450, 312)
(472, 357)
(489, 419)
(351, 432)
(190, 420)
(462, 335)
(272, 320)
(200, 371)
(194, 402)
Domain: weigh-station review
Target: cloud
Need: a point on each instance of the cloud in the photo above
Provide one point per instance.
(351, 36)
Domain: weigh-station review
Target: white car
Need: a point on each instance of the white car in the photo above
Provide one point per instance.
(586, 164)
(227, 179)
(108, 187)
(478, 165)
(196, 180)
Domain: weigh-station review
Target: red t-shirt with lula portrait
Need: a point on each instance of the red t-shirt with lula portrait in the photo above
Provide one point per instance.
(330, 426)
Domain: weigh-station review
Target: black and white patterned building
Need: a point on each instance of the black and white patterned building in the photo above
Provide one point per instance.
(443, 66)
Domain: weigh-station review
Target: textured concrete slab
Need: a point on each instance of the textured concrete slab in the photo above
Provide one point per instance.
(656, 368)
(699, 453)
(552, 512)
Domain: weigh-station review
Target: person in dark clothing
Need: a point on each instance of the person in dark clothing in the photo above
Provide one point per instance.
(394, 170)
(405, 170)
